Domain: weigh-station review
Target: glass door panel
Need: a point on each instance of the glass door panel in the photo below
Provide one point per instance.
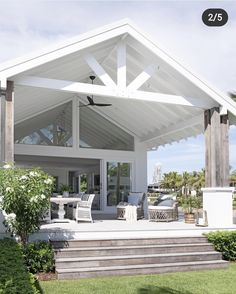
(118, 182)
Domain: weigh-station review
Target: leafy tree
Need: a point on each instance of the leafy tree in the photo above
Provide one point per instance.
(25, 198)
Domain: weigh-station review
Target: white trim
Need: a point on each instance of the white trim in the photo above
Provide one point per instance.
(55, 151)
(75, 130)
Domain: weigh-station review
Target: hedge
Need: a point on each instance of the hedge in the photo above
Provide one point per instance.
(39, 257)
(14, 276)
(224, 242)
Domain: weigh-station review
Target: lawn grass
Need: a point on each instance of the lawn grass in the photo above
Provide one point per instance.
(197, 282)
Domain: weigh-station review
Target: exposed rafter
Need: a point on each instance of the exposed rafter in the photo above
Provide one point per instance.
(142, 78)
(121, 65)
(99, 71)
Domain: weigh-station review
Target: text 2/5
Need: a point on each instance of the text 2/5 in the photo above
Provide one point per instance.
(215, 17)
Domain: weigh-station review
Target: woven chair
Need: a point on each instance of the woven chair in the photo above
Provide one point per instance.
(165, 211)
(134, 198)
(82, 212)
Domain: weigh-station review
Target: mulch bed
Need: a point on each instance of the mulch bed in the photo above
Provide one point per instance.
(46, 276)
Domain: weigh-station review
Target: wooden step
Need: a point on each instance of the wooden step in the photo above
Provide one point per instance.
(127, 242)
(136, 250)
(143, 269)
(105, 261)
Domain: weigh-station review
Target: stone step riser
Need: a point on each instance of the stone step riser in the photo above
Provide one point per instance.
(140, 271)
(135, 261)
(127, 242)
(134, 251)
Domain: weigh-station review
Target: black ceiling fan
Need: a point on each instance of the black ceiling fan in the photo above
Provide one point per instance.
(90, 99)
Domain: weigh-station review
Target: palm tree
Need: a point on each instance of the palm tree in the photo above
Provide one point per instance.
(186, 179)
(199, 180)
(171, 180)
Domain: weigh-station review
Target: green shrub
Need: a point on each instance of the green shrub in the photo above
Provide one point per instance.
(39, 257)
(25, 197)
(14, 277)
(224, 242)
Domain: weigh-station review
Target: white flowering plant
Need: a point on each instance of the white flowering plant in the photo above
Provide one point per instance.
(25, 196)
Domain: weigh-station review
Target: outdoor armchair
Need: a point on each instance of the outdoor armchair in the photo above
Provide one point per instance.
(82, 212)
(136, 199)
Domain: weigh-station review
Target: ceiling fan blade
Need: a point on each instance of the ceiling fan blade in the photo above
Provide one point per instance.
(102, 104)
(84, 105)
(90, 100)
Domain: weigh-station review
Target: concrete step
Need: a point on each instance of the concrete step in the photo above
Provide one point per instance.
(133, 250)
(127, 242)
(75, 273)
(105, 261)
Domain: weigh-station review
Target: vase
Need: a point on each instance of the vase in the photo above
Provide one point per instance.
(189, 218)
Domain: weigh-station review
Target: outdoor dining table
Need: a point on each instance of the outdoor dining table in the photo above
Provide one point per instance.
(61, 211)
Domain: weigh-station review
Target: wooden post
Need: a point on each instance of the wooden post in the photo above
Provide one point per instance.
(216, 149)
(207, 124)
(7, 124)
(224, 127)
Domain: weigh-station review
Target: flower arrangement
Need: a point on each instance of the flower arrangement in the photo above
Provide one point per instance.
(24, 197)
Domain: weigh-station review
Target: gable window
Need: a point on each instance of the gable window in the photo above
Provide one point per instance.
(51, 128)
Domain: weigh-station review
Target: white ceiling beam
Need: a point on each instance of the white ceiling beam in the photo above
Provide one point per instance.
(99, 71)
(121, 65)
(84, 88)
(168, 99)
(173, 128)
(142, 78)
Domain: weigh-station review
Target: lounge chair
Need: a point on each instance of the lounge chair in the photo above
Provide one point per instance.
(165, 211)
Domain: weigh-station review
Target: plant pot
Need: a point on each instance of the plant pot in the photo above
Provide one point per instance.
(65, 194)
(189, 218)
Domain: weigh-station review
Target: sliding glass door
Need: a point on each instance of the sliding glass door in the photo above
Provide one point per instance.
(118, 182)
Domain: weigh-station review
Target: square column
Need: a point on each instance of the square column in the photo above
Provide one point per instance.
(7, 124)
(217, 196)
(218, 202)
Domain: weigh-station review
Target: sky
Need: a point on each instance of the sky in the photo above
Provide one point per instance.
(176, 26)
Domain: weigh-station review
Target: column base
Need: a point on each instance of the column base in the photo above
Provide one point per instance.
(218, 203)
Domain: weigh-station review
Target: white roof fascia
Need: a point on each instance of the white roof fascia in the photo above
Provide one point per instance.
(27, 62)
(218, 96)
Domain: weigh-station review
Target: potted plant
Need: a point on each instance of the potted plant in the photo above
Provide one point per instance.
(189, 204)
(65, 190)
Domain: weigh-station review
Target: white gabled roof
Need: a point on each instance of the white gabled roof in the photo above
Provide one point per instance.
(151, 122)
